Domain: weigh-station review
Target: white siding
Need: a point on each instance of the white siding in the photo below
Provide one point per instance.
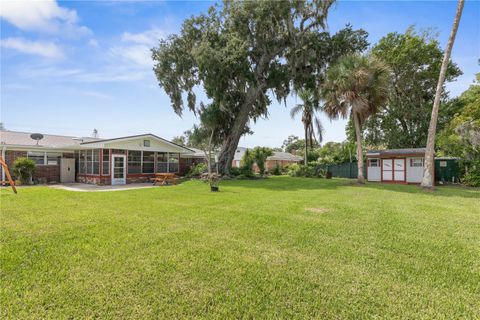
(373, 173)
(414, 174)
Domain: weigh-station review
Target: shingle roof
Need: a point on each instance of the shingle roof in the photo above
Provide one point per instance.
(285, 156)
(397, 151)
(49, 140)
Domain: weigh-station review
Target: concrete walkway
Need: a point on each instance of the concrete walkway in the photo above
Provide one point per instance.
(83, 187)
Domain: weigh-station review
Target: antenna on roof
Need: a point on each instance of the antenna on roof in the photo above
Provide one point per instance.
(95, 133)
(36, 136)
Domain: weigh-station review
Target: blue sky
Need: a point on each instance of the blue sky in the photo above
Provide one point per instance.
(71, 66)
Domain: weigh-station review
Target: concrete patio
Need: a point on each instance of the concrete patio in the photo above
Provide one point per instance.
(83, 187)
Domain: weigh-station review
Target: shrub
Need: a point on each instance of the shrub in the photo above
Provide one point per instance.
(296, 170)
(23, 169)
(276, 171)
(472, 175)
(198, 170)
(235, 172)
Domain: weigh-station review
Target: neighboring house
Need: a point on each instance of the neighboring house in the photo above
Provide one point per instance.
(406, 166)
(96, 161)
(281, 159)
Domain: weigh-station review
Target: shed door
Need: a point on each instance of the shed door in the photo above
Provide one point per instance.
(67, 170)
(399, 170)
(387, 169)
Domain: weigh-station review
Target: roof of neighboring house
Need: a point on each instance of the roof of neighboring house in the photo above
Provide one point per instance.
(22, 139)
(277, 155)
(197, 153)
(393, 152)
(284, 156)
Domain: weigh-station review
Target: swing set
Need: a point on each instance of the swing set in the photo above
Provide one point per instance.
(7, 173)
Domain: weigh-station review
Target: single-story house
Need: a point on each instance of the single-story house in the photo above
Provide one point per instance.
(97, 161)
(279, 158)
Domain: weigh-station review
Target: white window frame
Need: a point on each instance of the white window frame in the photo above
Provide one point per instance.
(45, 157)
(377, 161)
(415, 161)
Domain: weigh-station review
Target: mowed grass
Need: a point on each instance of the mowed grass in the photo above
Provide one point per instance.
(275, 248)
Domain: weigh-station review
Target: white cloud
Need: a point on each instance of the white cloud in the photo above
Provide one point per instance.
(93, 43)
(41, 48)
(45, 15)
(148, 37)
(137, 47)
(137, 54)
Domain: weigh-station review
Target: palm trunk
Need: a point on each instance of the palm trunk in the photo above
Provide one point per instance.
(429, 170)
(306, 145)
(358, 133)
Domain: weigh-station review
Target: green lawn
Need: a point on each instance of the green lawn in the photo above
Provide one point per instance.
(275, 248)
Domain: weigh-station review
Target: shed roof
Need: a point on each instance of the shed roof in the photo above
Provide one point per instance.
(394, 152)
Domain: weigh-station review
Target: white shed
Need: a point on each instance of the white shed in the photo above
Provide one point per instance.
(395, 165)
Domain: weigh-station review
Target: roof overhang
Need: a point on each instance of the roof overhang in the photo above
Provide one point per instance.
(128, 143)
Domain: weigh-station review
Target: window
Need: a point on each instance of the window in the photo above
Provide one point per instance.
(148, 162)
(106, 162)
(134, 161)
(373, 163)
(146, 143)
(38, 157)
(173, 162)
(53, 158)
(416, 162)
(162, 159)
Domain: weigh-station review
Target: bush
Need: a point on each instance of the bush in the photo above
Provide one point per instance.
(198, 170)
(472, 174)
(235, 172)
(277, 171)
(23, 169)
(296, 170)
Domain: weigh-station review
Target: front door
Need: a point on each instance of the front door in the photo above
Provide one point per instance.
(119, 167)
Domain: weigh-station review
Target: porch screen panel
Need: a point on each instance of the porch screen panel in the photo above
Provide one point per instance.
(148, 163)
(173, 162)
(134, 161)
(82, 164)
(106, 162)
(162, 162)
(96, 161)
(89, 162)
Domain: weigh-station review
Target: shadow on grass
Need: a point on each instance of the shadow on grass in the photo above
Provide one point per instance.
(298, 184)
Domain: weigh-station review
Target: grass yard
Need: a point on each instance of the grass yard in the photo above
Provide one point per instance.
(276, 248)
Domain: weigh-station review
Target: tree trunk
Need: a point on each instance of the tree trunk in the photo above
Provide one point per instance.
(358, 133)
(429, 170)
(229, 147)
(305, 160)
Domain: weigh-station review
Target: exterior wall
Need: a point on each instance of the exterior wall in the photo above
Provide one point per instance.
(43, 173)
(186, 164)
(271, 164)
(414, 174)
(90, 179)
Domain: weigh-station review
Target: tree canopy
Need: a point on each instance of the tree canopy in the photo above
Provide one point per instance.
(244, 53)
(415, 60)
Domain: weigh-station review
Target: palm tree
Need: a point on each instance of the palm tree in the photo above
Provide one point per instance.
(429, 170)
(308, 109)
(355, 86)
